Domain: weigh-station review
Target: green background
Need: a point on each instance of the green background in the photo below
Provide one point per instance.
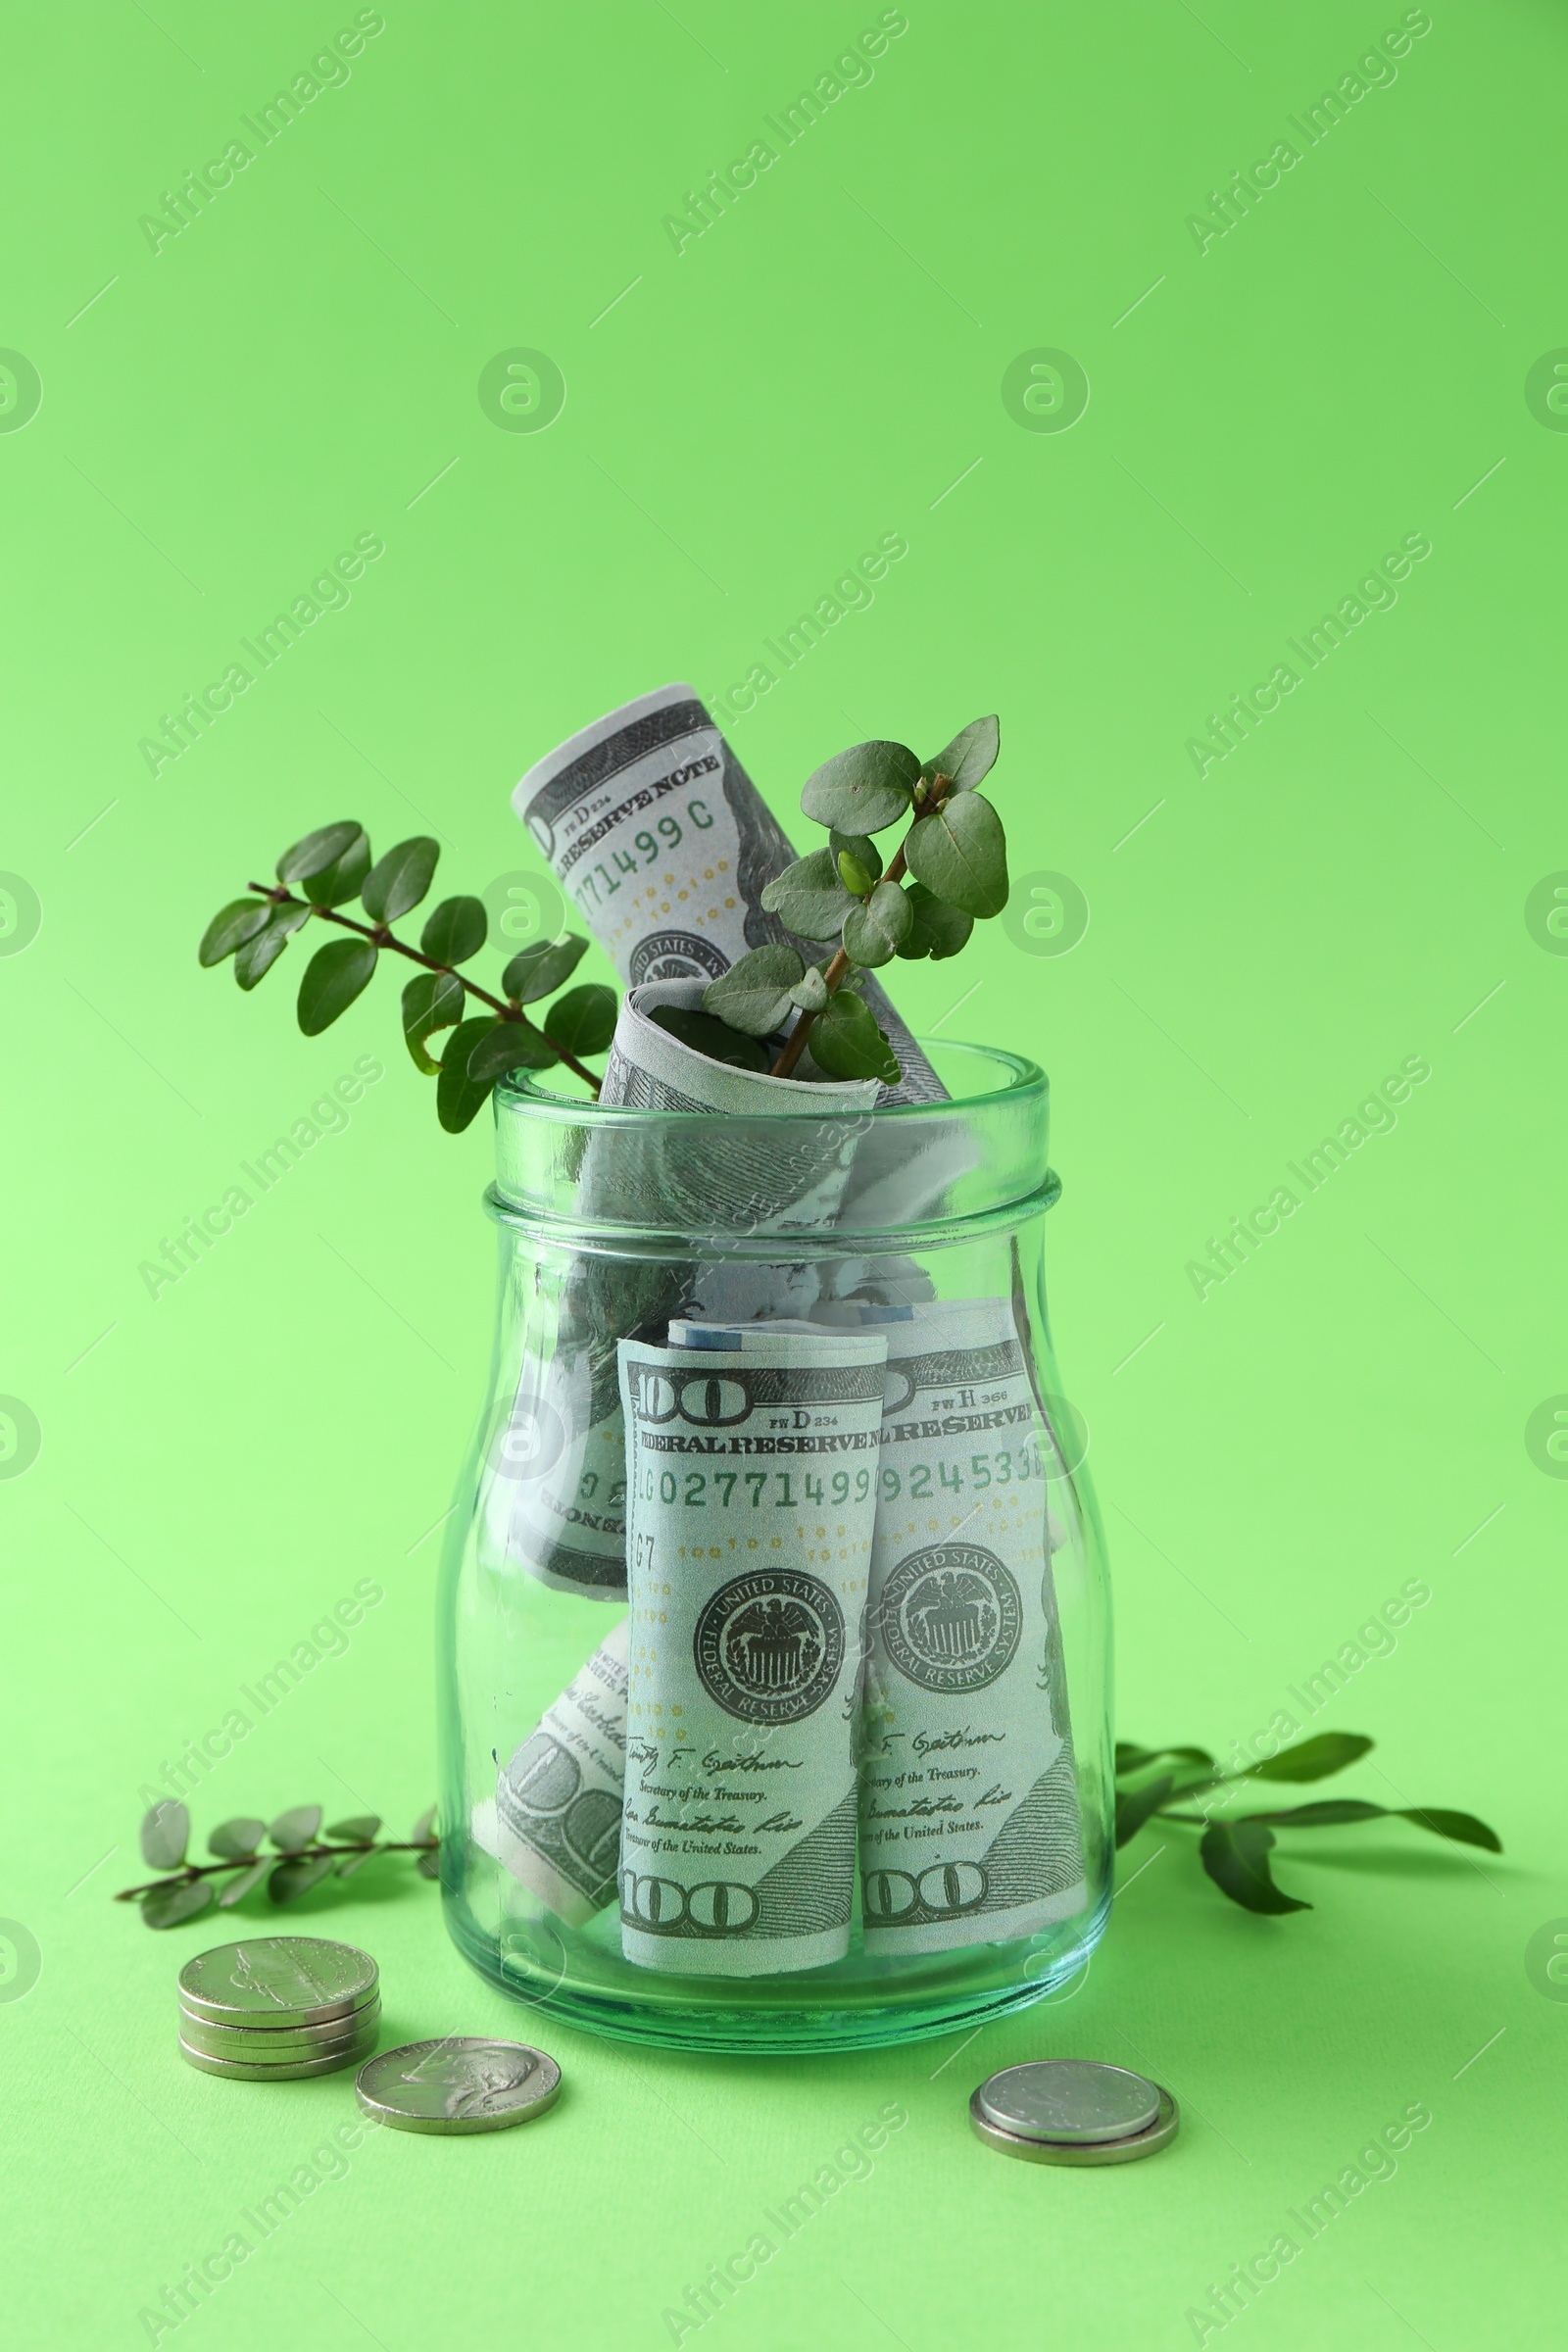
(824, 364)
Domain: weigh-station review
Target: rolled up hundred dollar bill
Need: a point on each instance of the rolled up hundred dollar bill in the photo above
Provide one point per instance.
(753, 1492)
(558, 1801)
(556, 1500)
(968, 1826)
(664, 845)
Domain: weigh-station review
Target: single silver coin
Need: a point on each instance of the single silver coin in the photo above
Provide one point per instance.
(275, 2047)
(296, 2069)
(1147, 2142)
(460, 2084)
(283, 2026)
(296, 1980)
(1069, 2099)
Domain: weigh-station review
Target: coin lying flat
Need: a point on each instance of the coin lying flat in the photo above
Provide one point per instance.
(1069, 2099)
(459, 2083)
(278, 2046)
(243, 2070)
(294, 1980)
(1148, 2141)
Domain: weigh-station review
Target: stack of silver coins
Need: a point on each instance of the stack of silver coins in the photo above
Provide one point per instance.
(279, 2008)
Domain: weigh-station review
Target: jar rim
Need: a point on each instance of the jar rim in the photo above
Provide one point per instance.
(982, 1156)
(1020, 1079)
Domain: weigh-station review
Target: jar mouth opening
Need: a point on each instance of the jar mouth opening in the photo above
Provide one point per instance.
(994, 1076)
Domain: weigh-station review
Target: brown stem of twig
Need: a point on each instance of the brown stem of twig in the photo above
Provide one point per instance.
(382, 937)
(794, 1044)
(190, 1872)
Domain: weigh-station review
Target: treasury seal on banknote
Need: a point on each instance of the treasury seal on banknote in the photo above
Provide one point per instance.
(951, 1617)
(768, 1646)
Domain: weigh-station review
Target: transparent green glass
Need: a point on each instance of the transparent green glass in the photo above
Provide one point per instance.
(511, 1643)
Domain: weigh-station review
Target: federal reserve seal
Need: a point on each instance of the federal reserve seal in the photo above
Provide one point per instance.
(676, 955)
(950, 1617)
(769, 1646)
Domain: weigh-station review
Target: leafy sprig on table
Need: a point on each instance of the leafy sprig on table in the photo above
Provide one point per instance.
(332, 866)
(302, 1860)
(1152, 1781)
(956, 855)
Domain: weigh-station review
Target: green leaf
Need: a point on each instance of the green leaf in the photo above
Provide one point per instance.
(538, 971)
(1462, 1827)
(583, 1020)
(168, 1906)
(753, 995)
(861, 847)
(230, 928)
(846, 1042)
(1311, 1759)
(510, 1046)
(810, 992)
(970, 756)
(1132, 1759)
(854, 875)
(1329, 1813)
(236, 1888)
(434, 1001)
(344, 878)
(960, 853)
(864, 789)
(295, 1828)
(1135, 1805)
(334, 976)
(400, 879)
(872, 933)
(459, 1099)
(428, 1866)
(317, 851)
(935, 930)
(425, 1827)
(241, 1835)
(706, 1035)
(1235, 1854)
(292, 1879)
(357, 1832)
(164, 1834)
(258, 955)
(1337, 1812)
(809, 898)
(456, 930)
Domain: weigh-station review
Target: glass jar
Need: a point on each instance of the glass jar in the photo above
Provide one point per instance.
(606, 1745)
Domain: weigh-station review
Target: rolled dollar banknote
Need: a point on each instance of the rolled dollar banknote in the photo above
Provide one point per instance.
(664, 846)
(557, 1800)
(970, 1826)
(555, 1501)
(752, 1495)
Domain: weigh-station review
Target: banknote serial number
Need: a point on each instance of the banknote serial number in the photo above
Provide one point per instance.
(1007, 1466)
(791, 1493)
(650, 843)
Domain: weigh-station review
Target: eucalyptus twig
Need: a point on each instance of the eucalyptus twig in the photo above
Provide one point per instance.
(300, 1858)
(383, 937)
(332, 866)
(1152, 1781)
(289, 1854)
(955, 854)
(840, 965)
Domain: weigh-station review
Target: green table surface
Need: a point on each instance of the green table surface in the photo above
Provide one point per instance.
(1278, 399)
